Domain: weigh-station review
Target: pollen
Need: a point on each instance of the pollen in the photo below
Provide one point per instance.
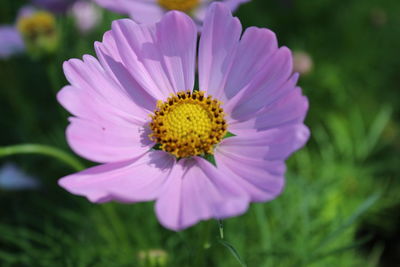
(181, 5)
(188, 124)
(39, 23)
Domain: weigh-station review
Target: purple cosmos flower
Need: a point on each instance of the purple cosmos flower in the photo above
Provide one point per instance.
(135, 111)
(34, 31)
(150, 11)
(11, 40)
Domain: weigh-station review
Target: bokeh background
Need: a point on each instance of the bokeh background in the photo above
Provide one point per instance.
(341, 205)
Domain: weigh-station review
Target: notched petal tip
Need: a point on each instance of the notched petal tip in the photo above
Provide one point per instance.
(120, 22)
(287, 54)
(177, 20)
(218, 9)
(174, 13)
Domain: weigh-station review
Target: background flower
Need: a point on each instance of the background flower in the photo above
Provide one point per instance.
(57, 6)
(87, 15)
(151, 11)
(302, 62)
(35, 31)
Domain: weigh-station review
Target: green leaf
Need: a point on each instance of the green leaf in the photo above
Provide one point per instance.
(210, 158)
(232, 250)
(229, 134)
(376, 129)
(157, 147)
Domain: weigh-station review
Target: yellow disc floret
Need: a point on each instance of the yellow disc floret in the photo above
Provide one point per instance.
(39, 23)
(188, 124)
(181, 5)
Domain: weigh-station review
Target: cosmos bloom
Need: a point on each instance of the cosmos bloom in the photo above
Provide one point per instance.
(199, 154)
(150, 11)
(34, 31)
(85, 13)
(11, 40)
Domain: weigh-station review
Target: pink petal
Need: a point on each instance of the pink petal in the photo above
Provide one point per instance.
(107, 113)
(143, 11)
(162, 63)
(263, 180)
(195, 191)
(110, 59)
(245, 74)
(271, 144)
(241, 73)
(263, 85)
(254, 52)
(130, 181)
(255, 160)
(101, 142)
(88, 105)
(286, 107)
(218, 45)
(90, 79)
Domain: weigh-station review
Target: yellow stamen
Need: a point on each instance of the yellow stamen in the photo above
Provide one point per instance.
(188, 124)
(181, 5)
(39, 23)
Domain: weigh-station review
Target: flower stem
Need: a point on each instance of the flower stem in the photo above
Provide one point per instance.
(43, 150)
(221, 229)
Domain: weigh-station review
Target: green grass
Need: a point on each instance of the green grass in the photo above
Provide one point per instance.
(346, 177)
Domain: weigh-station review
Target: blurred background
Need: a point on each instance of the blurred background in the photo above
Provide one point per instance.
(341, 205)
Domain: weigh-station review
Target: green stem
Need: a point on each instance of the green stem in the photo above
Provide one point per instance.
(43, 150)
(221, 229)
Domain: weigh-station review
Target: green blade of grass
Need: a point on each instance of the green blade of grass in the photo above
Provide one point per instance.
(233, 251)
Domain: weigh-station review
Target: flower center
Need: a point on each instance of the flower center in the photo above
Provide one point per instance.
(181, 5)
(37, 24)
(188, 124)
